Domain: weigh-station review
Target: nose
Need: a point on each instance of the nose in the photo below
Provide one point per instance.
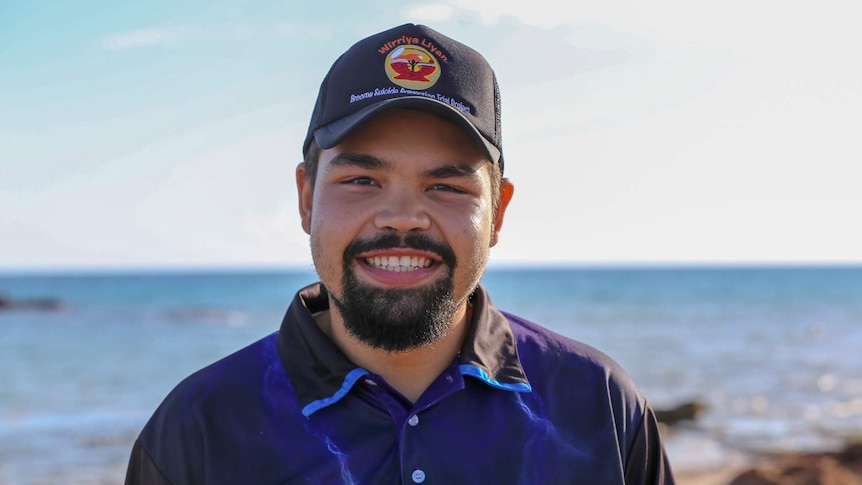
(402, 212)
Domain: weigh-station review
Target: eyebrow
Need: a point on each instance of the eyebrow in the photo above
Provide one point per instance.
(450, 171)
(370, 162)
(361, 160)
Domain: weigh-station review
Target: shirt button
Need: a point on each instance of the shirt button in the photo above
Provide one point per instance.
(413, 421)
(418, 476)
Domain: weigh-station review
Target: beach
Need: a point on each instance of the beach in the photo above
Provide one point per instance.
(771, 353)
(706, 477)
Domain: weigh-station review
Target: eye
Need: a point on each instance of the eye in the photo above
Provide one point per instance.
(359, 181)
(446, 188)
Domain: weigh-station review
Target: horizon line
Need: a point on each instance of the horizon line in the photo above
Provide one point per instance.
(217, 268)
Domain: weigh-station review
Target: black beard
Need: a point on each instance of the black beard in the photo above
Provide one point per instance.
(396, 320)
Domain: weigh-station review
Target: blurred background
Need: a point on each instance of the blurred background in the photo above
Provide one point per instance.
(686, 200)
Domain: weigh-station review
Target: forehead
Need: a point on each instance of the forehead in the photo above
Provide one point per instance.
(404, 135)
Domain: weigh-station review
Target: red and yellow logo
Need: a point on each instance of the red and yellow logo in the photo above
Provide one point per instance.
(412, 67)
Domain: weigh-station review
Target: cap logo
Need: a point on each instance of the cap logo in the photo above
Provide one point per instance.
(412, 67)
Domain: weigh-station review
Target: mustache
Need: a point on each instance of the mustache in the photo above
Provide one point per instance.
(391, 240)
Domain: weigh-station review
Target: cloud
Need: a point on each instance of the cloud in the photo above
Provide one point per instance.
(170, 36)
(428, 12)
(297, 30)
(767, 25)
(155, 36)
(490, 12)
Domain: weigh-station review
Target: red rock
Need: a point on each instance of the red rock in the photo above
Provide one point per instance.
(800, 470)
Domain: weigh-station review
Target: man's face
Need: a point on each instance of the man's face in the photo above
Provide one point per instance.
(401, 222)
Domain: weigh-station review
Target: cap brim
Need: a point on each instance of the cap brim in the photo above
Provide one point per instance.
(330, 135)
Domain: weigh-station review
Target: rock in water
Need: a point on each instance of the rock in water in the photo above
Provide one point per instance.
(688, 411)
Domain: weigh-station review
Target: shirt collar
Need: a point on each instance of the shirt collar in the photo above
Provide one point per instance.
(321, 374)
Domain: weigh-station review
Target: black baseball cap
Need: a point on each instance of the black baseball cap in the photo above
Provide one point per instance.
(410, 66)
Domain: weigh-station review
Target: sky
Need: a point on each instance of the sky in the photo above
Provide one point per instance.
(166, 134)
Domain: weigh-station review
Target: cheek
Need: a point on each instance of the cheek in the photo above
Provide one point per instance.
(474, 236)
(330, 234)
(473, 248)
(330, 216)
(481, 224)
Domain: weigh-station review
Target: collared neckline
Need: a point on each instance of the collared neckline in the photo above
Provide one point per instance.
(321, 374)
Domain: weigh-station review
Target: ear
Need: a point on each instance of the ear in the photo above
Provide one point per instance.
(507, 189)
(304, 190)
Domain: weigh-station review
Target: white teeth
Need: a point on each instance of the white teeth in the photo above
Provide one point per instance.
(398, 264)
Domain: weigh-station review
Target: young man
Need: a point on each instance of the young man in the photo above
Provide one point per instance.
(397, 368)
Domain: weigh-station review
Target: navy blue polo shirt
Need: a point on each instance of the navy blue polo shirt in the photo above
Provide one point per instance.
(519, 405)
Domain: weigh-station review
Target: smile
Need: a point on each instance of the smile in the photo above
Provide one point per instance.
(398, 264)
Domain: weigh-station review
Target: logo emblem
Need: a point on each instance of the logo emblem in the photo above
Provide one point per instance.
(412, 67)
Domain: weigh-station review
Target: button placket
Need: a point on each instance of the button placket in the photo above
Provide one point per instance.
(418, 474)
(413, 449)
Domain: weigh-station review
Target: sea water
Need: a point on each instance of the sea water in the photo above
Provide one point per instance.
(775, 353)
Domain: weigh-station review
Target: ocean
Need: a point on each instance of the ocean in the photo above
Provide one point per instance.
(775, 353)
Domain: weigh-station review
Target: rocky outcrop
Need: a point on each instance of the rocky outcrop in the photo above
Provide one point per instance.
(842, 468)
(44, 304)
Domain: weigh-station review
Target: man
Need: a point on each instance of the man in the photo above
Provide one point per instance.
(397, 368)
